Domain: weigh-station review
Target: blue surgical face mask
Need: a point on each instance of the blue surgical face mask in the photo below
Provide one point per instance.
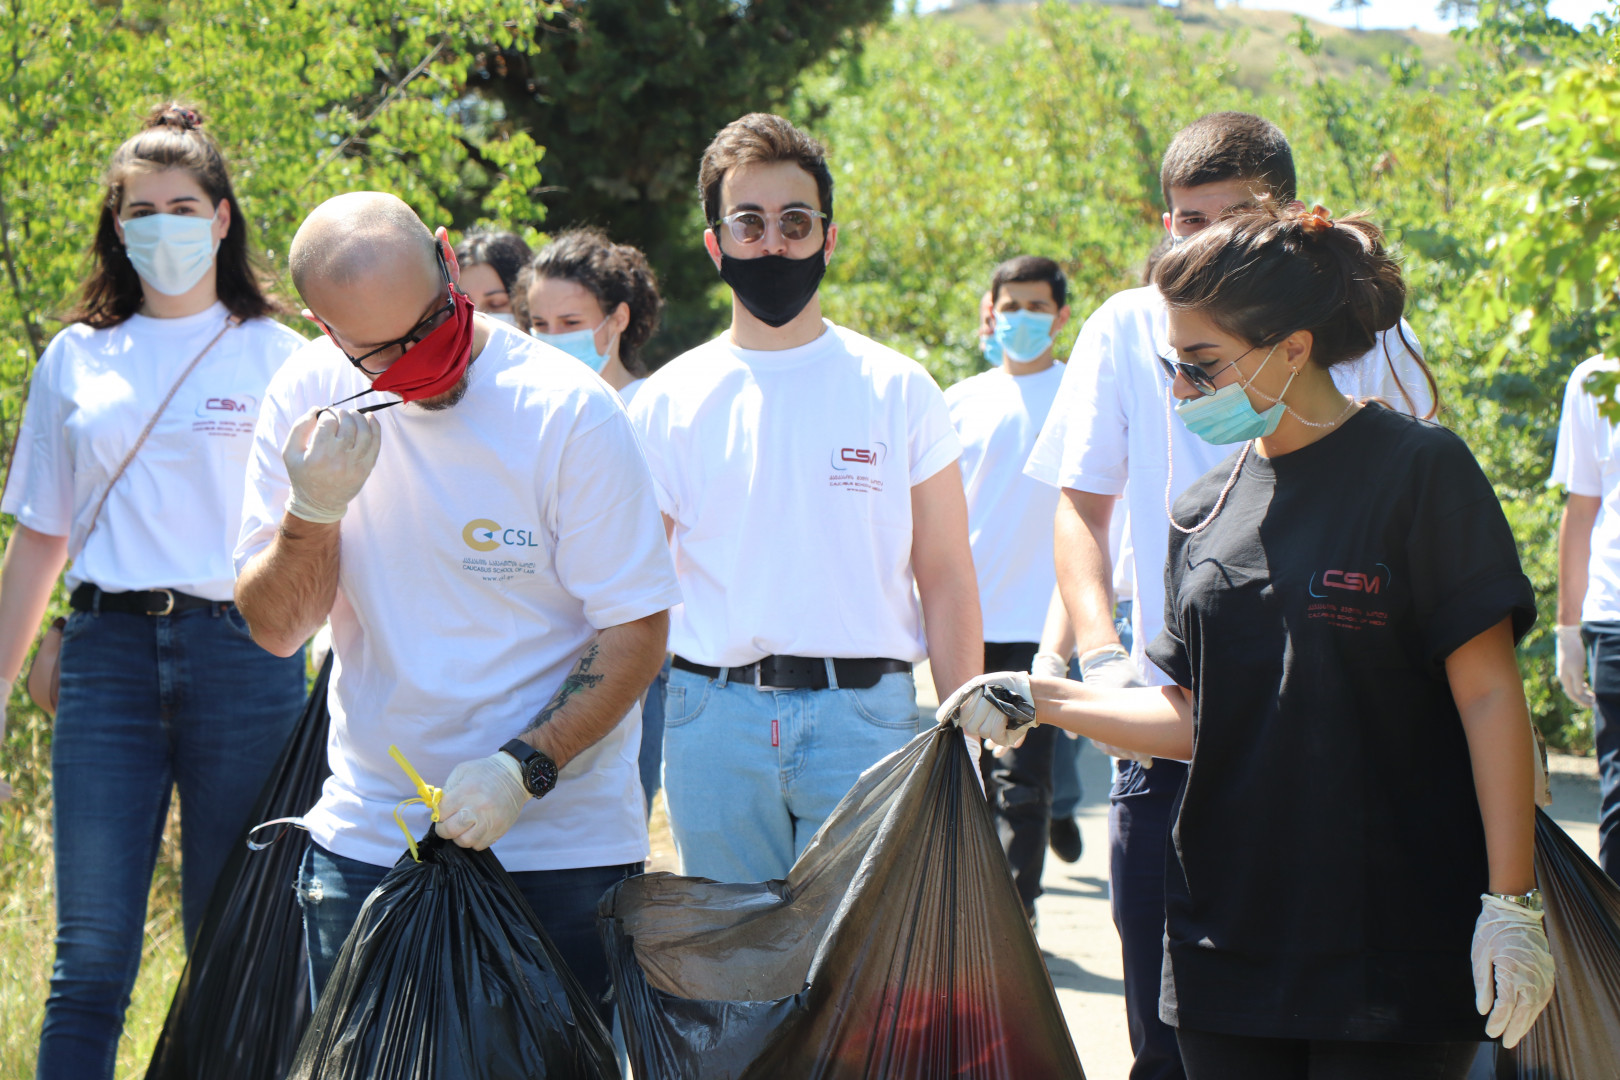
(990, 349)
(581, 345)
(1023, 335)
(1226, 416)
(171, 252)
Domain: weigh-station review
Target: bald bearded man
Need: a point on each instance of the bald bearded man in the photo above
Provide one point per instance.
(472, 510)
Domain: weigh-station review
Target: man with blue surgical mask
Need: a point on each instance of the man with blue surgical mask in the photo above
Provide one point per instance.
(997, 415)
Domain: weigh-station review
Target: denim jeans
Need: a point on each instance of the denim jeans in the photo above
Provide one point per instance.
(148, 704)
(1066, 789)
(651, 758)
(1603, 645)
(751, 774)
(332, 888)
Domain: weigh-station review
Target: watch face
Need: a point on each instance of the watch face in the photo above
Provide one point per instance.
(539, 774)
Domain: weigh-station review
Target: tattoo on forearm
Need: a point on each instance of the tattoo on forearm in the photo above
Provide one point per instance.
(581, 678)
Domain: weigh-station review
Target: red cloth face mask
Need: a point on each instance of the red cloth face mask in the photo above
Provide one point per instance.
(435, 364)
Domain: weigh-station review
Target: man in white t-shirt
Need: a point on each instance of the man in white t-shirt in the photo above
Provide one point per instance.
(1586, 464)
(495, 570)
(808, 479)
(1111, 422)
(997, 415)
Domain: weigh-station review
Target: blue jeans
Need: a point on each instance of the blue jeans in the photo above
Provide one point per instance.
(1066, 789)
(750, 774)
(332, 889)
(147, 704)
(651, 758)
(1603, 644)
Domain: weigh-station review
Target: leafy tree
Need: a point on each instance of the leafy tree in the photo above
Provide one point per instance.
(627, 93)
(1458, 11)
(308, 99)
(1354, 6)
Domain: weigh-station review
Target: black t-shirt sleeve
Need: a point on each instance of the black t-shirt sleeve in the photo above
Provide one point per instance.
(1465, 568)
(1169, 650)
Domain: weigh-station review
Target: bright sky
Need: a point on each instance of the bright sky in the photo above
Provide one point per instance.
(1398, 14)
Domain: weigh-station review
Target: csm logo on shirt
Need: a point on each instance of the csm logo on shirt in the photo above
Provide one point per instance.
(845, 456)
(239, 404)
(1350, 581)
(482, 534)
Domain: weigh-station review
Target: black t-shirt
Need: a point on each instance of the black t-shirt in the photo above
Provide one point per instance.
(1329, 855)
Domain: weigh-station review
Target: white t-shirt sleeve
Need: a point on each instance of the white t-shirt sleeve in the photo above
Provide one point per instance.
(1575, 466)
(611, 551)
(649, 419)
(264, 498)
(1388, 369)
(39, 492)
(1083, 444)
(934, 442)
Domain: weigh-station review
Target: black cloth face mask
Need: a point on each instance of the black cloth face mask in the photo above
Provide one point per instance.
(774, 288)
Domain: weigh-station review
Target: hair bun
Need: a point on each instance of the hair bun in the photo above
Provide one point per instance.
(174, 115)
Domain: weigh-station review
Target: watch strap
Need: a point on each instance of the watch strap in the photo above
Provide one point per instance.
(1530, 901)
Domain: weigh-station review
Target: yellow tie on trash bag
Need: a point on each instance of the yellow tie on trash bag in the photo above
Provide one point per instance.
(426, 794)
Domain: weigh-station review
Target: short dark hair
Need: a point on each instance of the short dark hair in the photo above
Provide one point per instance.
(1031, 268)
(613, 273)
(1265, 271)
(503, 252)
(761, 139)
(1229, 146)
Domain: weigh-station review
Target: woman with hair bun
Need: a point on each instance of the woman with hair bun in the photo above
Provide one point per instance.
(131, 461)
(1350, 892)
(598, 302)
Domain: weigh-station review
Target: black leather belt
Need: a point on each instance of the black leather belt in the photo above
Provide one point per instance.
(801, 672)
(88, 597)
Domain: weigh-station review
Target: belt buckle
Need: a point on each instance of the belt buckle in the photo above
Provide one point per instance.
(169, 608)
(759, 671)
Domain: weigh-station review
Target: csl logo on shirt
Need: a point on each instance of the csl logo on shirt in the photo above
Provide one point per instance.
(846, 456)
(482, 534)
(1351, 599)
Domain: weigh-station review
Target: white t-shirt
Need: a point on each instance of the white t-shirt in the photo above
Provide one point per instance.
(1109, 424)
(997, 416)
(171, 520)
(627, 392)
(1587, 462)
(788, 476)
(490, 542)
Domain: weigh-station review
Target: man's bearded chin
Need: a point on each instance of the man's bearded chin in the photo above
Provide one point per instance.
(448, 399)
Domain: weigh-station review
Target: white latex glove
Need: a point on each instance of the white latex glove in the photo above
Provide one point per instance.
(977, 708)
(1571, 659)
(1112, 668)
(329, 453)
(1513, 969)
(482, 800)
(1052, 666)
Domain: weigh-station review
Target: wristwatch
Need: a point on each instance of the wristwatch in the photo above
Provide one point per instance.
(1530, 901)
(539, 771)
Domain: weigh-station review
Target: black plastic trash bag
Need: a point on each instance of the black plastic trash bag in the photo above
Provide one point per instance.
(243, 999)
(448, 975)
(896, 948)
(1577, 1037)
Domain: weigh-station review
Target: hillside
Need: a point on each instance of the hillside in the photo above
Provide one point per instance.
(1262, 36)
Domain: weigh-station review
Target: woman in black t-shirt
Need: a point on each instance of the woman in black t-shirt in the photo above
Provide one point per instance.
(1351, 885)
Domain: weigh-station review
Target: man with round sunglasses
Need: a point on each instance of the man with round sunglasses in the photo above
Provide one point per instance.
(808, 478)
(1110, 434)
(491, 557)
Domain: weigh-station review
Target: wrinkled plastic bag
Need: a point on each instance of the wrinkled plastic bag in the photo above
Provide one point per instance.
(896, 948)
(448, 975)
(1577, 1037)
(243, 999)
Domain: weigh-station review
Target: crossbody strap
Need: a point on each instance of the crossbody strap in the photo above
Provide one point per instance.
(150, 424)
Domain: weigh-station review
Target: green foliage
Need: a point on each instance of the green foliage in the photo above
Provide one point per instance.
(627, 93)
